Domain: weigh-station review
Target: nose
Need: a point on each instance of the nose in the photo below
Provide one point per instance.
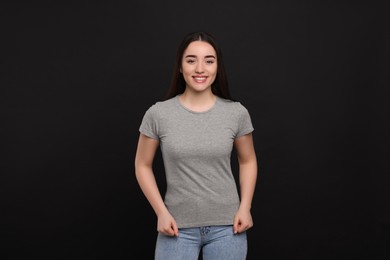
(199, 68)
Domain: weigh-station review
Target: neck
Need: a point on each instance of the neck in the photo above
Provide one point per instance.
(198, 100)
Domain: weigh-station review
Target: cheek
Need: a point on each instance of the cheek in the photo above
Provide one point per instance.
(185, 70)
(215, 71)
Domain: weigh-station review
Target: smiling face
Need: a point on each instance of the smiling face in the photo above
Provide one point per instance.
(199, 66)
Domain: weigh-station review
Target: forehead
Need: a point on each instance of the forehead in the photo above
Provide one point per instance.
(199, 48)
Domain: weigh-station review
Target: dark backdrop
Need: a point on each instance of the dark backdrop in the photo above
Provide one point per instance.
(77, 77)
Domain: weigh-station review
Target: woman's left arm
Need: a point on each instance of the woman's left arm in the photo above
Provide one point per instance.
(248, 175)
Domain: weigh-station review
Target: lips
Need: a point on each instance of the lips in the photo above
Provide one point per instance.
(200, 79)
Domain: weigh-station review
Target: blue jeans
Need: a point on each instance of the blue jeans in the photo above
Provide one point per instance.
(216, 242)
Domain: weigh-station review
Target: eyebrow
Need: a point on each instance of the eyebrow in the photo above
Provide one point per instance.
(194, 56)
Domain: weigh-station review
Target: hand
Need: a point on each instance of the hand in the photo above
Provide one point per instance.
(166, 225)
(242, 221)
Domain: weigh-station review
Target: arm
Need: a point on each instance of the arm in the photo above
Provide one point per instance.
(146, 151)
(248, 175)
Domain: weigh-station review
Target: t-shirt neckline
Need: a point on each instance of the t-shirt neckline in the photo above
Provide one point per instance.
(196, 112)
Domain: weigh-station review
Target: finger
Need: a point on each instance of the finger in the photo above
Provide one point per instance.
(175, 229)
(167, 231)
(171, 232)
(241, 229)
(235, 226)
(244, 227)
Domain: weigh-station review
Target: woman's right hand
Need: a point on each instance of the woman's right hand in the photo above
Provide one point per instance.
(166, 224)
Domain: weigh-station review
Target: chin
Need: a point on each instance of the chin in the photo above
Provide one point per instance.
(201, 89)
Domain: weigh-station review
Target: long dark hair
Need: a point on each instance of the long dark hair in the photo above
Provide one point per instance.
(219, 87)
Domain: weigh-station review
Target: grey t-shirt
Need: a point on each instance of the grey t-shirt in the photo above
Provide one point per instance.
(196, 149)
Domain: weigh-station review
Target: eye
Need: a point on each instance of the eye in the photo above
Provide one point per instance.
(190, 61)
(210, 61)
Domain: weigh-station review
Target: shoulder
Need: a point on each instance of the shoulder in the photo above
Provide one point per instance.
(234, 107)
(165, 104)
(160, 106)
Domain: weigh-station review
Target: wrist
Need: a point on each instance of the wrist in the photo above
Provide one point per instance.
(245, 206)
(161, 211)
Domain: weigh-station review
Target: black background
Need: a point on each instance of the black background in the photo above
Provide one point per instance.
(77, 78)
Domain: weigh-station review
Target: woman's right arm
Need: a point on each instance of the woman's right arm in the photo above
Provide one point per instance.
(145, 153)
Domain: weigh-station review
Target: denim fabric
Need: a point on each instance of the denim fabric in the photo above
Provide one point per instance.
(216, 242)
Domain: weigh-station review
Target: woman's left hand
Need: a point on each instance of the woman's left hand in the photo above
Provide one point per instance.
(242, 221)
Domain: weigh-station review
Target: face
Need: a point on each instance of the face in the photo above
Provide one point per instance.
(199, 66)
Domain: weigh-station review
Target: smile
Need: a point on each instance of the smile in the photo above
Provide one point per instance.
(200, 79)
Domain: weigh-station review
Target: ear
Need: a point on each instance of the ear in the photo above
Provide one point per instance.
(181, 70)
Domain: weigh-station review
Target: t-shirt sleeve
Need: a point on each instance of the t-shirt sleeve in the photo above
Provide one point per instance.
(245, 123)
(149, 124)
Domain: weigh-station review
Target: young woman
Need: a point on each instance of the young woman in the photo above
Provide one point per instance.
(196, 128)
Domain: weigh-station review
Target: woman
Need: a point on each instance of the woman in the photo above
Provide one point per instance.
(196, 128)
